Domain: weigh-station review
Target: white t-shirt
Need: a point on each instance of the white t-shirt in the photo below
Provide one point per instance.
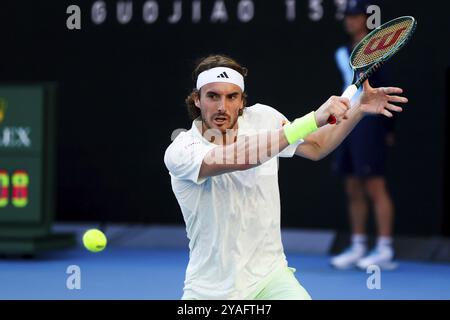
(232, 220)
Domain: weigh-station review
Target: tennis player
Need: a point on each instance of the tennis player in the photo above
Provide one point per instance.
(224, 174)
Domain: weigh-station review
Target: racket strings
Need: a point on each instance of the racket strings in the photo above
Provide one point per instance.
(382, 42)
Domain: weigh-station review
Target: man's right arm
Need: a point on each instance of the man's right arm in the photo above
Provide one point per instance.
(246, 153)
(250, 152)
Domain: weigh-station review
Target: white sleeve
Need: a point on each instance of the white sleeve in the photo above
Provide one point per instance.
(289, 152)
(280, 120)
(184, 158)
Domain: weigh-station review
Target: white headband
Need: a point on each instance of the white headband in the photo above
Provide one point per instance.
(220, 74)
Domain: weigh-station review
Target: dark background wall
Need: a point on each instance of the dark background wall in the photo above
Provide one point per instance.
(122, 88)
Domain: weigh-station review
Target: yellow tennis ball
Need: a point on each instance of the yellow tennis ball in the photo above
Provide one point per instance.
(94, 240)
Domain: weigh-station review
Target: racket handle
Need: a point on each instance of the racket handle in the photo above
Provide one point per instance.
(349, 94)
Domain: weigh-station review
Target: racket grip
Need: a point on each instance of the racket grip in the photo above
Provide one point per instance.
(349, 93)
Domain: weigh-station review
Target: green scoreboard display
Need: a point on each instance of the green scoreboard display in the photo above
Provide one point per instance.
(27, 204)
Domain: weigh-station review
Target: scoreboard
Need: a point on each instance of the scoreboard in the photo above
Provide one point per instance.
(27, 169)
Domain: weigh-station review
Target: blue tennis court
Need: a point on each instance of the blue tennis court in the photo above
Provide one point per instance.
(123, 273)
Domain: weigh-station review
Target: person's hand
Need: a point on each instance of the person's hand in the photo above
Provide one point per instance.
(379, 100)
(336, 106)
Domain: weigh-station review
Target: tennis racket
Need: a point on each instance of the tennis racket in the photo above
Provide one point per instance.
(375, 49)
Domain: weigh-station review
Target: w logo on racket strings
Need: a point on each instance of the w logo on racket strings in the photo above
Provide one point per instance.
(223, 75)
(381, 43)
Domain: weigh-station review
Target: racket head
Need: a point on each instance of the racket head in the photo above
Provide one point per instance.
(383, 42)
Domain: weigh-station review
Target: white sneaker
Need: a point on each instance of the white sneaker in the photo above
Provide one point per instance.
(381, 257)
(348, 258)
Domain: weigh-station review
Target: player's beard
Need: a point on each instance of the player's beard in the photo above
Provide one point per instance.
(228, 124)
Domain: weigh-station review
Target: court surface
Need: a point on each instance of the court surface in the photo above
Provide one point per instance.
(123, 273)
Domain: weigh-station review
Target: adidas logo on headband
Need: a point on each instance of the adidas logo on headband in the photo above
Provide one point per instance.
(223, 75)
(220, 74)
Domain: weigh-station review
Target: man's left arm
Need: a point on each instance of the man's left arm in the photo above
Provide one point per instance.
(322, 142)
